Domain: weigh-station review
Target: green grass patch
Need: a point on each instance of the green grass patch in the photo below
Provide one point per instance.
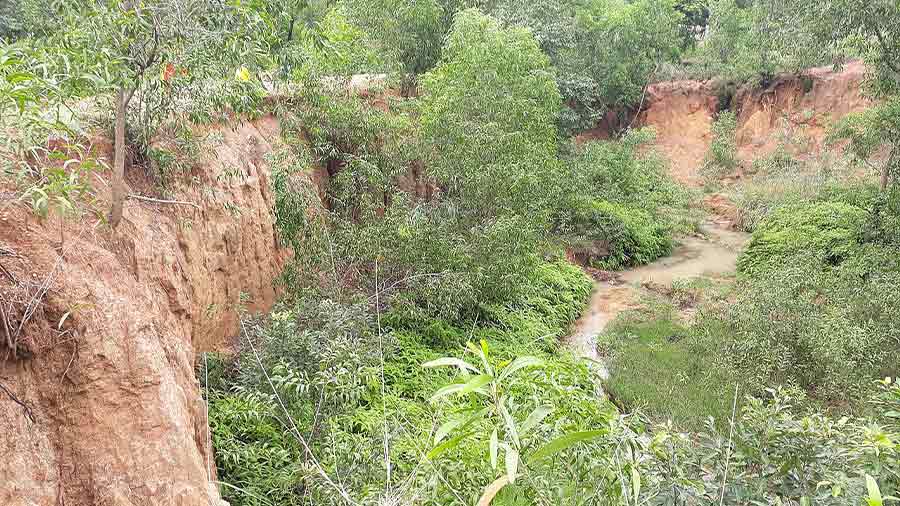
(660, 368)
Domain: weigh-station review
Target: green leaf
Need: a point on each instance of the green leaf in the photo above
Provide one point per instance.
(493, 448)
(463, 388)
(535, 417)
(874, 498)
(510, 423)
(450, 362)
(462, 421)
(520, 363)
(512, 463)
(635, 484)
(443, 447)
(565, 441)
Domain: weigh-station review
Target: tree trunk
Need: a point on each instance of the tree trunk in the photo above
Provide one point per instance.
(118, 179)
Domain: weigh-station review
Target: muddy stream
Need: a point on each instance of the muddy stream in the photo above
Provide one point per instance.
(713, 255)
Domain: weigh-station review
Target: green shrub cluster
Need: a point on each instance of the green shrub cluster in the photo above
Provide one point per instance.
(324, 359)
(621, 208)
(826, 233)
(828, 332)
(614, 236)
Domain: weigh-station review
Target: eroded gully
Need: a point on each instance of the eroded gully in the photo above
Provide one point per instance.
(713, 255)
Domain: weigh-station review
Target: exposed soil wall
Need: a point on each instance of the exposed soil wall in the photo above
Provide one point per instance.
(118, 418)
(682, 112)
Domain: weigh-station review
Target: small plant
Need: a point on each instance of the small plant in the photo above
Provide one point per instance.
(722, 156)
(60, 189)
(492, 412)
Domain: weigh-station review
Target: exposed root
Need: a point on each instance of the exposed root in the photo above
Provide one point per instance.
(28, 413)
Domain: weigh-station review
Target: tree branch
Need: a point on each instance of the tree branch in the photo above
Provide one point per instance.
(886, 50)
(161, 201)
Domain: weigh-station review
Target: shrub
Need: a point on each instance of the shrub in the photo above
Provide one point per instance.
(829, 332)
(722, 156)
(628, 171)
(612, 236)
(826, 233)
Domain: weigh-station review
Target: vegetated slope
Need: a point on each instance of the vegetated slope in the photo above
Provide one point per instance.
(118, 416)
(682, 113)
(106, 362)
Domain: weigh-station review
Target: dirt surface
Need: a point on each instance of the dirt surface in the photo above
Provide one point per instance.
(801, 106)
(114, 412)
(714, 255)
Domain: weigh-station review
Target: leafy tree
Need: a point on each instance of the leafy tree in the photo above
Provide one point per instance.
(411, 33)
(619, 45)
(695, 19)
(871, 130)
(157, 50)
(23, 18)
(492, 151)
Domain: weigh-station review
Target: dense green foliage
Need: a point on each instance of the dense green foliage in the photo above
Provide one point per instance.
(826, 233)
(721, 159)
(622, 209)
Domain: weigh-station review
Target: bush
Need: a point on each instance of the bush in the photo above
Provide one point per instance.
(613, 236)
(826, 233)
(722, 156)
(319, 354)
(829, 332)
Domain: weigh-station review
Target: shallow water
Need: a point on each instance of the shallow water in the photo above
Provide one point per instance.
(714, 255)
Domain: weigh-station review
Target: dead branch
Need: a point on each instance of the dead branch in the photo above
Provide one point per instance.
(8, 274)
(28, 413)
(160, 201)
(65, 374)
(9, 340)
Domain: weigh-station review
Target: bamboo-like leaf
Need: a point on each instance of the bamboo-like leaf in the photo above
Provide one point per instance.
(476, 383)
(462, 422)
(520, 363)
(493, 448)
(447, 390)
(472, 385)
(535, 418)
(563, 442)
(449, 362)
(510, 423)
(512, 463)
(446, 428)
(635, 484)
(874, 498)
(443, 447)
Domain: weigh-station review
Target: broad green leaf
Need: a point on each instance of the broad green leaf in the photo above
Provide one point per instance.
(493, 448)
(520, 363)
(563, 442)
(535, 417)
(512, 463)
